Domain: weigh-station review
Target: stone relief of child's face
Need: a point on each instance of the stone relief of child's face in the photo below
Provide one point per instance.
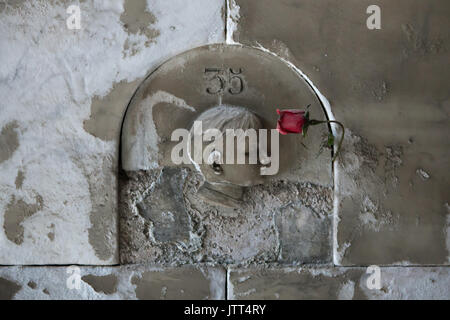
(232, 158)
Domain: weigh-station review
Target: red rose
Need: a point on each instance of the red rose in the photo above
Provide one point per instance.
(297, 121)
(291, 121)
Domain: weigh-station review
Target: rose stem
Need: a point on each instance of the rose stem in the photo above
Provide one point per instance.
(314, 122)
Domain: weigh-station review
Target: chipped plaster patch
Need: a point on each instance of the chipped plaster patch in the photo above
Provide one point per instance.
(106, 284)
(374, 217)
(216, 235)
(48, 77)
(138, 21)
(19, 179)
(339, 252)
(357, 192)
(16, 213)
(51, 236)
(8, 289)
(107, 111)
(9, 141)
(232, 20)
(102, 189)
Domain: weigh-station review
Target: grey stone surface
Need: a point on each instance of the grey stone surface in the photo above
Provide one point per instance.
(8, 141)
(110, 109)
(164, 207)
(106, 284)
(112, 283)
(390, 89)
(397, 283)
(8, 289)
(16, 212)
(304, 234)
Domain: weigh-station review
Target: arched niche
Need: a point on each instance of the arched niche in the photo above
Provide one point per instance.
(172, 97)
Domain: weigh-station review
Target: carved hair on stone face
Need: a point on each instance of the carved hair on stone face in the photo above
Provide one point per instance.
(214, 169)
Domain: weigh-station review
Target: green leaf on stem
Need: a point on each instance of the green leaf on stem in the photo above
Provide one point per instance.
(330, 141)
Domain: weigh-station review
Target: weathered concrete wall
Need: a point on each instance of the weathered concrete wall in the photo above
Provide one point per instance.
(390, 89)
(63, 98)
(64, 93)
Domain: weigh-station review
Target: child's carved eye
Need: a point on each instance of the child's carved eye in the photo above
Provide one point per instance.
(214, 160)
(217, 168)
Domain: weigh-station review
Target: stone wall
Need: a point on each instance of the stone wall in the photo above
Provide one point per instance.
(64, 95)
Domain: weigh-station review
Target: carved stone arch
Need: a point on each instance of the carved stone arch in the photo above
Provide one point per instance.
(172, 97)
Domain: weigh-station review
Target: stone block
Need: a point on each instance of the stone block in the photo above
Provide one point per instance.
(111, 283)
(396, 283)
(389, 89)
